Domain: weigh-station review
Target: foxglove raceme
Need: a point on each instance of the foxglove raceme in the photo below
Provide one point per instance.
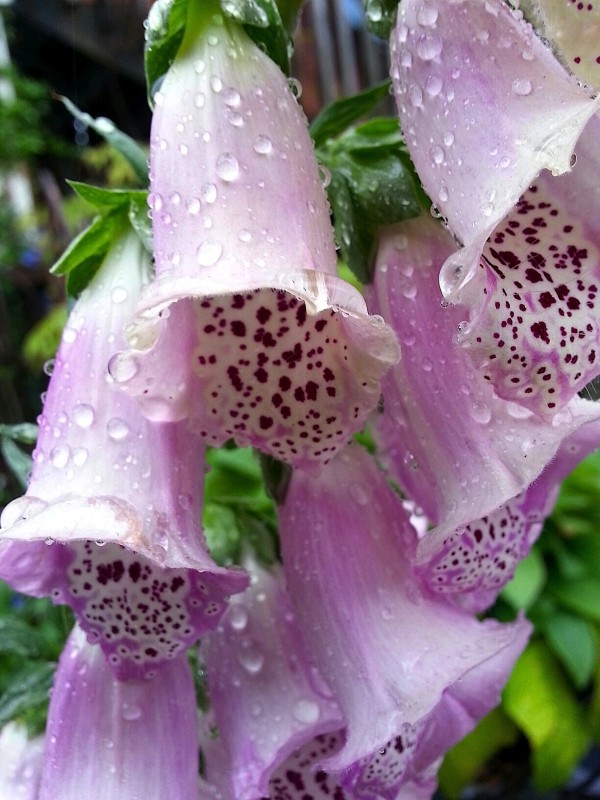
(411, 673)
(118, 740)
(267, 698)
(457, 449)
(247, 331)
(110, 521)
(485, 106)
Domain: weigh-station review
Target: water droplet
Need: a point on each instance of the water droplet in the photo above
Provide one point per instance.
(427, 364)
(427, 16)
(400, 241)
(262, 145)
(199, 99)
(487, 209)
(215, 83)
(251, 658)
(119, 294)
(448, 138)
(244, 235)
(59, 456)
(359, 494)
(69, 335)
(82, 415)
(481, 413)
(325, 176)
(131, 711)
(296, 87)
(429, 46)
(193, 205)
(522, 87)
(199, 66)
(208, 193)
(402, 32)
(415, 95)
(209, 253)
(238, 617)
(228, 167)
(374, 11)
(232, 98)
(123, 367)
(117, 429)
(49, 366)
(80, 456)
(573, 160)
(306, 711)
(433, 85)
(406, 59)
(437, 154)
(443, 193)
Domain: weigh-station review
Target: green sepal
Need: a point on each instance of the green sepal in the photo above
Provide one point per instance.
(373, 184)
(381, 16)
(122, 143)
(335, 118)
(165, 27)
(262, 22)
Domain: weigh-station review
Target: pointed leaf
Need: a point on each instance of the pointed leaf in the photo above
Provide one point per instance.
(337, 116)
(572, 639)
(28, 690)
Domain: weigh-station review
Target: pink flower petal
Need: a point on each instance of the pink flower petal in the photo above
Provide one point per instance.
(20, 763)
(266, 695)
(110, 521)
(276, 351)
(390, 652)
(107, 739)
(456, 448)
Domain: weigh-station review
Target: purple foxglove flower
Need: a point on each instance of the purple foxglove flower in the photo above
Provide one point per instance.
(272, 348)
(117, 740)
(110, 522)
(457, 449)
(267, 698)
(397, 658)
(20, 763)
(574, 29)
(485, 106)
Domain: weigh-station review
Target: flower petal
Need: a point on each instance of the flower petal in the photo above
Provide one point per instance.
(278, 351)
(534, 329)
(117, 499)
(107, 739)
(574, 28)
(266, 695)
(474, 86)
(20, 763)
(457, 449)
(388, 650)
(473, 565)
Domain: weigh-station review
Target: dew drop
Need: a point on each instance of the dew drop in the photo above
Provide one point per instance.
(400, 241)
(117, 429)
(481, 413)
(262, 145)
(232, 98)
(59, 456)
(123, 368)
(374, 11)
(296, 87)
(193, 205)
(306, 711)
(131, 711)
(244, 235)
(80, 456)
(437, 154)
(325, 176)
(448, 138)
(118, 294)
(433, 85)
(415, 95)
(359, 494)
(443, 193)
(521, 87)
(427, 16)
(208, 253)
(429, 46)
(251, 658)
(427, 364)
(215, 83)
(49, 366)
(238, 617)
(199, 99)
(83, 415)
(228, 168)
(208, 193)
(69, 335)
(199, 66)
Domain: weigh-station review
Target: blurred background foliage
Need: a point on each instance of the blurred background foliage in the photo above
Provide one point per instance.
(543, 740)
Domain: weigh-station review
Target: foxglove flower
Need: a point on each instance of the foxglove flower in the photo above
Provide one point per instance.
(267, 698)
(110, 521)
(20, 763)
(457, 449)
(485, 106)
(247, 331)
(108, 739)
(399, 661)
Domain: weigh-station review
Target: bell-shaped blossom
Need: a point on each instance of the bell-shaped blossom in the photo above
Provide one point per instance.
(485, 106)
(267, 698)
(108, 739)
(110, 521)
(574, 30)
(247, 331)
(20, 763)
(397, 659)
(457, 449)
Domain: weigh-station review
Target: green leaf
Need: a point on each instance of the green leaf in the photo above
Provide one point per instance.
(337, 116)
(573, 641)
(24, 432)
(465, 761)
(381, 16)
(105, 199)
(123, 144)
(29, 689)
(262, 22)
(165, 27)
(527, 583)
(581, 595)
(18, 461)
(92, 244)
(539, 700)
(17, 638)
